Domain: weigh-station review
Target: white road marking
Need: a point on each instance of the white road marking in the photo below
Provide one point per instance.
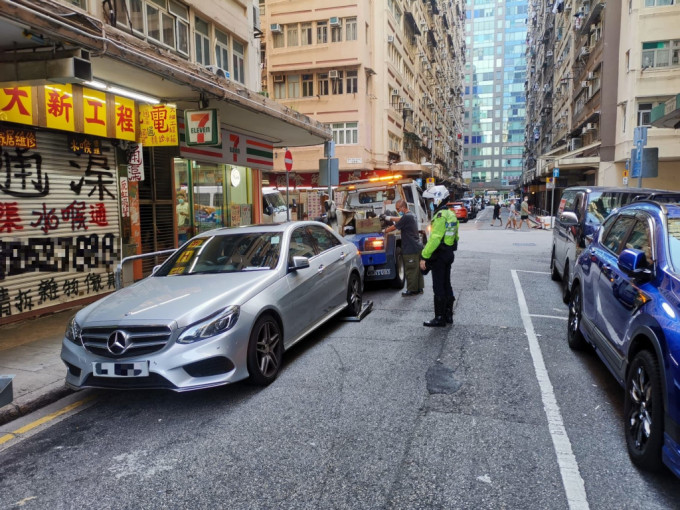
(574, 487)
(527, 271)
(549, 316)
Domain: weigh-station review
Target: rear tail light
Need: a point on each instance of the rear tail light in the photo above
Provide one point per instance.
(374, 243)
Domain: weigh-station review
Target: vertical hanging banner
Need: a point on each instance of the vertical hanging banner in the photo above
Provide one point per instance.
(59, 112)
(158, 125)
(135, 157)
(94, 112)
(125, 113)
(16, 104)
(124, 198)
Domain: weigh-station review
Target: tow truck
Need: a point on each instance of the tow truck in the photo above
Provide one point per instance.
(365, 203)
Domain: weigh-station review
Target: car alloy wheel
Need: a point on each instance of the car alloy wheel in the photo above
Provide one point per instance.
(354, 299)
(265, 351)
(574, 336)
(643, 412)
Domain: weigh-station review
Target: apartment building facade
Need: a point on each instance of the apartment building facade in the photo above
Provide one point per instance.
(386, 77)
(95, 156)
(614, 62)
(495, 107)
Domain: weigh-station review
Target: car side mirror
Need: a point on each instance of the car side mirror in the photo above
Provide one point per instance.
(299, 263)
(634, 263)
(269, 210)
(569, 218)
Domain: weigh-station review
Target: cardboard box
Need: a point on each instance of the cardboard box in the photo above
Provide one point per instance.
(368, 226)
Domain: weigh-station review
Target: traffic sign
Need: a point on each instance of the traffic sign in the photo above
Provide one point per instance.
(625, 181)
(556, 172)
(625, 174)
(288, 160)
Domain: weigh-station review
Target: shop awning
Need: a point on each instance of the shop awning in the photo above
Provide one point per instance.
(667, 115)
(126, 61)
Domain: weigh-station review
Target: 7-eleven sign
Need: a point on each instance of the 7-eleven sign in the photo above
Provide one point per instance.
(202, 127)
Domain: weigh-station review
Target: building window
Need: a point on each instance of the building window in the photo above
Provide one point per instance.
(345, 133)
(658, 3)
(79, 3)
(202, 38)
(292, 35)
(336, 83)
(222, 50)
(350, 29)
(336, 33)
(645, 114)
(278, 39)
(238, 58)
(323, 84)
(352, 82)
(294, 85)
(306, 33)
(163, 21)
(307, 85)
(661, 53)
(321, 32)
(279, 87)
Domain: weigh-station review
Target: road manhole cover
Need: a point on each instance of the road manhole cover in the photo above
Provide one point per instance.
(440, 379)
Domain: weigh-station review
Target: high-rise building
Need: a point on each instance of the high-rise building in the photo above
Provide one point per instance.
(494, 98)
(385, 76)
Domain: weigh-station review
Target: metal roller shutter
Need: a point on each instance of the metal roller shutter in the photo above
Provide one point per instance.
(59, 224)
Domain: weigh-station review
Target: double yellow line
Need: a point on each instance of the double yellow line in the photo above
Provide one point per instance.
(45, 419)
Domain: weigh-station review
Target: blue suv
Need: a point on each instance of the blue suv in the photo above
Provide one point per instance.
(625, 302)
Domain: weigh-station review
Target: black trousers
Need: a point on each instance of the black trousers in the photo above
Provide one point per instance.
(440, 264)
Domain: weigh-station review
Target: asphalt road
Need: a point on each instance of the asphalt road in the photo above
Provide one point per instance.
(378, 414)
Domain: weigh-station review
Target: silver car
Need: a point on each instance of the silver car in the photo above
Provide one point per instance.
(224, 307)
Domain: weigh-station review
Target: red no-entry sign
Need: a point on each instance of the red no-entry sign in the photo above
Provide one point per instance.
(288, 160)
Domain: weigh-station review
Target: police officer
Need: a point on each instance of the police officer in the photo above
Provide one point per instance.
(437, 256)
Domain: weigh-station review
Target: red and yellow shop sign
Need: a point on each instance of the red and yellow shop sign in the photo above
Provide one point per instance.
(125, 113)
(16, 104)
(59, 112)
(18, 138)
(158, 125)
(94, 112)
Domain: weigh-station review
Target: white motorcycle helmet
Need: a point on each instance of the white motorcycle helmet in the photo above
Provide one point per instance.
(438, 194)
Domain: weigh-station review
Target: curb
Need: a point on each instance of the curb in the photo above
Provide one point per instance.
(12, 411)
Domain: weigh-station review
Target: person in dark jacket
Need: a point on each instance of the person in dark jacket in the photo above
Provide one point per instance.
(407, 224)
(496, 214)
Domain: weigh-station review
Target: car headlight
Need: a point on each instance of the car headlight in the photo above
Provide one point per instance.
(212, 326)
(73, 332)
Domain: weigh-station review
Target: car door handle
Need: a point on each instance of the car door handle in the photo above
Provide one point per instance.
(343, 255)
(320, 270)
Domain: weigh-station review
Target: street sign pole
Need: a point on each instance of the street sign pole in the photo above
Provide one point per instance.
(288, 162)
(640, 140)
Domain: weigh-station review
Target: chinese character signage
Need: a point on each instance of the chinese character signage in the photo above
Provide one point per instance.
(202, 127)
(135, 157)
(125, 113)
(59, 112)
(83, 144)
(21, 138)
(94, 112)
(16, 104)
(158, 125)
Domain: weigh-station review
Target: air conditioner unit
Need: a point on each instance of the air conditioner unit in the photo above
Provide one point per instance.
(275, 28)
(584, 84)
(549, 53)
(279, 78)
(333, 74)
(390, 39)
(395, 92)
(334, 21)
(218, 71)
(590, 127)
(407, 106)
(591, 76)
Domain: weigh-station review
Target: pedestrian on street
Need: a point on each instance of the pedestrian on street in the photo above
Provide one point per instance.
(437, 256)
(410, 247)
(512, 215)
(524, 214)
(496, 214)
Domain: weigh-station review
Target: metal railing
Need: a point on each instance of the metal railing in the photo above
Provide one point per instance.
(119, 268)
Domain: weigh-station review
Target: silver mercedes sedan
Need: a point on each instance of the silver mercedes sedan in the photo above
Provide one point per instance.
(223, 307)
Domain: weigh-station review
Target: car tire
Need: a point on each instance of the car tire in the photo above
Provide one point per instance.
(554, 274)
(643, 412)
(354, 296)
(400, 277)
(565, 283)
(265, 351)
(574, 336)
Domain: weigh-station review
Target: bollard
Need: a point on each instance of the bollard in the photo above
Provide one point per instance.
(6, 392)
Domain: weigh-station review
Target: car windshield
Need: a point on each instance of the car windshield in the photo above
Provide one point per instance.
(230, 253)
(674, 243)
(276, 201)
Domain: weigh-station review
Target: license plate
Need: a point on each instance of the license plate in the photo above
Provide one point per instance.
(132, 369)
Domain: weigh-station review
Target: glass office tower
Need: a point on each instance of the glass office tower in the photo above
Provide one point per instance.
(495, 112)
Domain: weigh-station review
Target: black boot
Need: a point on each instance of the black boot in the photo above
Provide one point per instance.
(448, 315)
(439, 310)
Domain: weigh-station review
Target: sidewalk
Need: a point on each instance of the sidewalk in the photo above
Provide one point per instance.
(29, 350)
